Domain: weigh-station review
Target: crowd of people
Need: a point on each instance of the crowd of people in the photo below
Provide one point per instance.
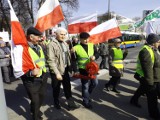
(62, 59)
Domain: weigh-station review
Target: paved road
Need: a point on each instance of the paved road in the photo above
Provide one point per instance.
(106, 105)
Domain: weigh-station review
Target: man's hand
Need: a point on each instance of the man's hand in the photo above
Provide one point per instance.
(72, 50)
(59, 76)
(92, 58)
(7, 56)
(35, 72)
(76, 73)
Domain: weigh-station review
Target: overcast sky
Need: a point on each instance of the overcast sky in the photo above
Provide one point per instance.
(127, 8)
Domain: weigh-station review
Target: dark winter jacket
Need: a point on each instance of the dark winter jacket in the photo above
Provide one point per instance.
(156, 67)
(103, 49)
(147, 66)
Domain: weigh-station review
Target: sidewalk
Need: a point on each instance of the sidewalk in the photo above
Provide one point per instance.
(106, 105)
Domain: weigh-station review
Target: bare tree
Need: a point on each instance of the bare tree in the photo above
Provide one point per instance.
(4, 12)
(68, 6)
(25, 9)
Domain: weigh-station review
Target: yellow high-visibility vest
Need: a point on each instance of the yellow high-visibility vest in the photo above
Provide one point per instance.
(83, 56)
(139, 67)
(46, 42)
(118, 56)
(39, 61)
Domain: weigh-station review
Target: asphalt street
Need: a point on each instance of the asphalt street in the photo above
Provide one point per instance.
(106, 105)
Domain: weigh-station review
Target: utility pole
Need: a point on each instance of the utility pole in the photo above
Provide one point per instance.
(109, 17)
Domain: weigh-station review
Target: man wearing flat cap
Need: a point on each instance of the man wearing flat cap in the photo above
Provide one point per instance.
(35, 81)
(147, 72)
(85, 53)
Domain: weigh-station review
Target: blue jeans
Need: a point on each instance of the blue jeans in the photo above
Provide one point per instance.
(87, 87)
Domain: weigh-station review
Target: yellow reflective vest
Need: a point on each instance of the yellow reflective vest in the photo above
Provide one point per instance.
(39, 61)
(83, 56)
(118, 58)
(139, 67)
(46, 42)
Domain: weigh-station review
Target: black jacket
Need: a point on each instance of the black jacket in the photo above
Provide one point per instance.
(103, 49)
(147, 65)
(156, 67)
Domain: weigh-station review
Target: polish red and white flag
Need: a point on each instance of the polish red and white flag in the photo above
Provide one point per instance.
(49, 15)
(21, 59)
(105, 31)
(82, 23)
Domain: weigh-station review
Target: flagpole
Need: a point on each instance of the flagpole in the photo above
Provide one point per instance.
(3, 107)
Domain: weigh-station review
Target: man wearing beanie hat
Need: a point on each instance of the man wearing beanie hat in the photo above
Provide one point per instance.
(35, 81)
(152, 38)
(85, 52)
(148, 68)
(84, 35)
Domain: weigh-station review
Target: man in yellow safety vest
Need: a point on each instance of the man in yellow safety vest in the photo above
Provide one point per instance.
(85, 52)
(35, 81)
(147, 72)
(115, 61)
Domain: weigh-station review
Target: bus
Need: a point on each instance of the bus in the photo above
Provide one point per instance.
(131, 39)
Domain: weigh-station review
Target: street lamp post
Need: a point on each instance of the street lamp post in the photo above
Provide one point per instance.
(108, 9)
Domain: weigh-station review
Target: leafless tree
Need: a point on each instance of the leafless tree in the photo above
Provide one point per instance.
(25, 9)
(4, 11)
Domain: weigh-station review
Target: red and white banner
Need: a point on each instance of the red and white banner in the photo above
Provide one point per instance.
(21, 59)
(82, 23)
(49, 15)
(105, 31)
